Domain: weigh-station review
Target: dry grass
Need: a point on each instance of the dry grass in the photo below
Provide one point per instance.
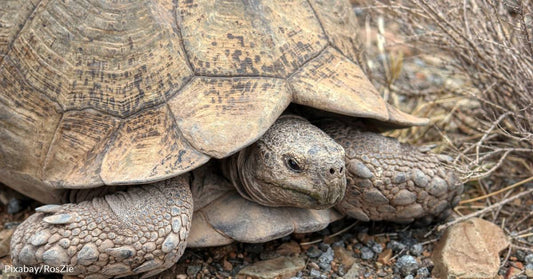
(468, 66)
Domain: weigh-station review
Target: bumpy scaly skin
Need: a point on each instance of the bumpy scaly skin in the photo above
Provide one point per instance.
(139, 231)
(388, 180)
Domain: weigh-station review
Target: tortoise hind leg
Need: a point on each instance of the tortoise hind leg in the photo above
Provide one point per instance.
(391, 181)
(138, 231)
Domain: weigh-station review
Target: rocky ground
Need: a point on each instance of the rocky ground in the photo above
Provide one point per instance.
(346, 249)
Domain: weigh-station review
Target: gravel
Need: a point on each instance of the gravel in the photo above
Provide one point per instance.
(11, 225)
(423, 272)
(323, 246)
(324, 261)
(521, 255)
(15, 206)
(366, 253)
(416, 250)
(362, 249)
(314, 273)
(339, 243)
(529, 269)
(407, 264)
(192, 270)
(529, 258)
(340, 270)
(396, 246)
(377, 248)
(313, 252)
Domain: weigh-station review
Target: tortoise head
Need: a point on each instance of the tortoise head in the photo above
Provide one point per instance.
(293, 164)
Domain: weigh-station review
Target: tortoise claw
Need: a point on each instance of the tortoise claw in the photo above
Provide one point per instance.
(61, 219)
(49, 208)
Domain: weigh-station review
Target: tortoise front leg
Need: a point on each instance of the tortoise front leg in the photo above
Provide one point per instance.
(142, 230)
(391, 181)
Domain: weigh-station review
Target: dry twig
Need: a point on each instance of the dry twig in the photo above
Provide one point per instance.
(485, 210)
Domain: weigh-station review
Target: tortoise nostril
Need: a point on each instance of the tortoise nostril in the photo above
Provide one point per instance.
(332, 171)
(341, 169)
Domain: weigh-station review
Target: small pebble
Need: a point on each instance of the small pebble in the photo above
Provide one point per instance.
(406, 237)
(313, 252)
(14, 206)
(529, 270)
(324, 261)
(366, 253)
(396, 246)
(377, 248)
(314, 273)
(416, 250)
(422, 272)
(520, 255)
(237, 268)
(339, 243)
(409, 277)
(192, 270)
(323, 246)
(313, 265)
(407, 264)
(347, 237)
(11, 225)
(358, 11)
(529, 258)
(340, 270)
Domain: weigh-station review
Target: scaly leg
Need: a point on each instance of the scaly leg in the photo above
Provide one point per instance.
(142, 230)
(388, 180)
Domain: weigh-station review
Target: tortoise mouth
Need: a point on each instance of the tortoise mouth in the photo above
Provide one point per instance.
(276, 195)
(314, 200)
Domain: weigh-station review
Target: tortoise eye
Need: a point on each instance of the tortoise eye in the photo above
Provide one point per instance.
(293, 164)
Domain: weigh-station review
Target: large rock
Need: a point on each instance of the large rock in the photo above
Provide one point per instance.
(282, 267)
(469, 250)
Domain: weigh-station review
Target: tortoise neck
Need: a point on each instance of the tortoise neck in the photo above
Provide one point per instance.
(238, 169)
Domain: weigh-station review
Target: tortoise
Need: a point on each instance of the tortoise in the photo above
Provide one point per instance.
(110, 111)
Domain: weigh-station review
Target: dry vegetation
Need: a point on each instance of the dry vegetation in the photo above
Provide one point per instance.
(467, 65)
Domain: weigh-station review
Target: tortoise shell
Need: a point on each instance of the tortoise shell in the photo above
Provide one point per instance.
(123, 92)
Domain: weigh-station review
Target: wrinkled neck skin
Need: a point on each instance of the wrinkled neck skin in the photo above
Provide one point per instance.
(238, 169)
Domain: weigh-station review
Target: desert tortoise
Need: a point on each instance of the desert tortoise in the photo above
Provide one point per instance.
(98, 93)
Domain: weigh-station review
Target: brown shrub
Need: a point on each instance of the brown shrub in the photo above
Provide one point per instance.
(489, 44)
